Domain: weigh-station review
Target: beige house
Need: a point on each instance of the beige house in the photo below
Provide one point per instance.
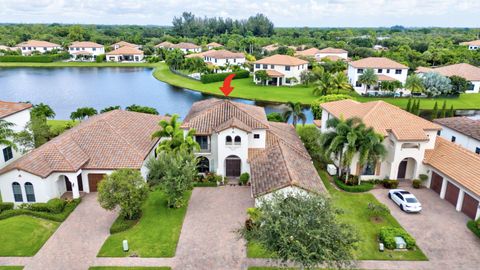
(185, 47)
(472, 45)
(464, 70)
(333, 54)
(281, 69)
(40, 46)
(120, 44)
(213, 45)
(125, 54)
(220, 58)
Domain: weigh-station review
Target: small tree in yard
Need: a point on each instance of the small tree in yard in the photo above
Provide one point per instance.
(378, 211)
(262, 76)
(124, 188)
(304, 230)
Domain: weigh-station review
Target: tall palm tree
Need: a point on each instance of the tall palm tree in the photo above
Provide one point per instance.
(340, 82)
(368, 78)
(176, 139)
(324, 83)
(370, 148)
(295, 112)
(6, 134)
(414, 83)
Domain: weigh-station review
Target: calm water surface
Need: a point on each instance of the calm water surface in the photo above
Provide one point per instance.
(66, 89)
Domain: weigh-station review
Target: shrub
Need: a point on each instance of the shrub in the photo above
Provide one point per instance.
(37, 207)
(213, 178)
(56, 205)
(423, 177)
(416, 183)
(244, 177)
(6, 206)
(387, 237)
(121, 224)
(387, 183)
(363, 187)
(100, 58)
(204, 184)
(378, 209)
(42, 58)
(69, 207)
(218, 77)
(474, 227)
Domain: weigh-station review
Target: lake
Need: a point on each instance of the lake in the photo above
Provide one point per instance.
(66, 89)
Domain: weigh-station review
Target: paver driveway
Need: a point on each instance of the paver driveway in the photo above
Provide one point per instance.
(208, 239)
(440, 232)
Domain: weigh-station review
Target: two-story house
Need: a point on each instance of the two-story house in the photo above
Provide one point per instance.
(17, 114)
(385, 69)
(213, 45)
(85, 50)
(413, 148)
(237, 138)
(333, 54)
(120, 44)
(30, 46)
(472, 45)
(185, 47)
(461, 130)
(464, 70)
(281, 69)
(221, 58)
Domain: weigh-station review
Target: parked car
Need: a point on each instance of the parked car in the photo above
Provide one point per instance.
(405, 200)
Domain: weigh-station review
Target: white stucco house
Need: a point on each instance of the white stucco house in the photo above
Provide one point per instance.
(237, 138)
(221, 58)
(333, 54)
(85, 50)
(472, 45)
(413, 148)
(77, 160)
(461, 130)
(185, 47)
(281, 69)
(40, 46)
(17, 114)
(125, 54)
(120, 44)
(213, 45)
(385, 69)
(464, 70)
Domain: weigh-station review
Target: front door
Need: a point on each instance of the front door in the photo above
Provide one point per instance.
(402, 169)
(233, 166)
(68, 185)
(93, 180)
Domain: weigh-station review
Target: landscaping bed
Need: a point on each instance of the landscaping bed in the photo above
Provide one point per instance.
(43, 210)
(474, 226)
(363, 187)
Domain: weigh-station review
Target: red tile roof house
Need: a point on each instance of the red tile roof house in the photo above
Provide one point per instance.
(333, 54)
(221, 58)
(464, 70)
(414, 148)
(461, 130)
(281, 69)
(19, 115)
(77, 160)
(236, 138)
(472, 45)
(185, 47)
(125, 54)
(120, 44)
(41, 46)
(85, 50)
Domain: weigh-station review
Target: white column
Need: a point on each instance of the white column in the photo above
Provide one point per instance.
(461, 194)
(444, 188)
(73, 179)
(278, 81)
(477, 216)
(86, 187)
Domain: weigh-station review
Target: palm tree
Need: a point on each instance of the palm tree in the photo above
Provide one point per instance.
(340, 82)
(176, 139)
(324, 83)
(295, 112)
(370, 148)
(414, 83)
(368, 78)
(6, 133)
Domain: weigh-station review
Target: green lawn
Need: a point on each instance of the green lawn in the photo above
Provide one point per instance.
(354, 206)
(155, 235)
(126, 268)
(11, 267)
(59, 126)
(24, 235)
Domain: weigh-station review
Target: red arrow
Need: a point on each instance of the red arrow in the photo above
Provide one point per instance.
(226, 88)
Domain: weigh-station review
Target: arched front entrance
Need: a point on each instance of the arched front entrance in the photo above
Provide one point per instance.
(407, 168)
(233, 166)
(203, 165)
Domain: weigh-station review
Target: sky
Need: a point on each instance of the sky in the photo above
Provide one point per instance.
(283, 13)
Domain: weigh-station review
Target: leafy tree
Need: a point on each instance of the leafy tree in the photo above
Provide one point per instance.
(124, 188)
(390, 85)
(262, 76)
(414, 83)
(311, 138)
(370, 147)
(378, 210)
(42, 110)
(82, 113)
(7, 134)
(322, 240)
(368, 78)
(295, 112)
(195, 64)
(436, 84)
(175, 59)
(175, 138)
(36, 128)
(443, 112)
(275, 117)
(110, 108)
(142, 109)
(435, 111)
(459, 85)
(340, 82)
(324, 84)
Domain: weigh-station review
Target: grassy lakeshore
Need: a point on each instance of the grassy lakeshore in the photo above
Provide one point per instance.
(73, 64)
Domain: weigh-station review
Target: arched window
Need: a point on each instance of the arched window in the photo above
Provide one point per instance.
(238, 140)
(17, 192)
(29, 192)
(228, 140)
(203, 165)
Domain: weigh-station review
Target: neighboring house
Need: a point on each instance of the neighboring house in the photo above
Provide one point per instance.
(386, 70)
(164, 44)
(120, 44)
(380, 48)
(237, 138)
(464, 70)
(461, 130)
(332, 54)
(414, 148)
(5, 48)
(77, 159)
(281, 69)
(221, 58)
(40, 46)
(472, 45)
(185, 47)
(213, 45)
(125, 54)
(19, 115)
(85, 50)
(273, 47)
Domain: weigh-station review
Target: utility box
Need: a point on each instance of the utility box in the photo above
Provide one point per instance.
(381, 247)
(332, 169)
(125, 245)
(400, 243)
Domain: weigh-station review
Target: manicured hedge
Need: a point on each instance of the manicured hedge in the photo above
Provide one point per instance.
(6, 206)
(363, 187)
(390, 184)
(474, 227)
(59, 217)
(43, 58)
(54, 206)
(387, 237)
(218, 77)
(122, 224)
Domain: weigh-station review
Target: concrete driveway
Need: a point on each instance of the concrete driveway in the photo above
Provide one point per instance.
(440, 231)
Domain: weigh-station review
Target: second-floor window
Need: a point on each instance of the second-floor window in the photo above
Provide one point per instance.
(477, 150)
(380, 70)
(256, 136)
(454, 138)
(203, 142)
(398, 71)
(7, 153)
(238, 140)
(360, 71)
(265, 66)
(287, 68)
(272, 66)
(228, 140)
(257, 65)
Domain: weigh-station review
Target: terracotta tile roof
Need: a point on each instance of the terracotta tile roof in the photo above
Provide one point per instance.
(223, 54)
(284, 60)
(384, 118)
(109, 141)
(455, 162)
(383, 77)
(333, 58)
(273, 47)
(124, 43)
(37, 43)
(214, 44)
(185, 45)
(274, 73)
(126, 50)
(233, 123)
(467, 71)
(85, 44)
(9, 108)
(464, 125)
(164, 44)
(377, 62)
(473, 42)
(5, 48)
(308, 52)
(284, 162)
(333, 50)
(208, 115)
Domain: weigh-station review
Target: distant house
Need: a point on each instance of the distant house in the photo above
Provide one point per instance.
(461, 130)
(273, 47)
(281, 69)
(332, 54)
(466, 71)
(165, 44)
(386, 70)
(85, 50)
(40, 46)
(379, 48)
(125, 54)
(213, 45)
(220, 58)
(472, 45)
(120, 44)
(185, 47)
